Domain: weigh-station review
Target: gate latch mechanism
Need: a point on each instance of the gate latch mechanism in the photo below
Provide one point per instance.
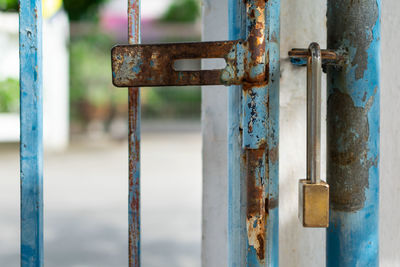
(313, 192)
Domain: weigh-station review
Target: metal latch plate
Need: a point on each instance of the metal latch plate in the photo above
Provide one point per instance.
(152, 64)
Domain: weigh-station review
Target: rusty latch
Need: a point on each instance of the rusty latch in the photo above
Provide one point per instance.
(152, 65)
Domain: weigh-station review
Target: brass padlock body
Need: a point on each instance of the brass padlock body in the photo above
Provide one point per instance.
(313, 203)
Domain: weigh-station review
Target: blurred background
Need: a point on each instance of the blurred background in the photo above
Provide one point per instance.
(85, 138)
(86, 152)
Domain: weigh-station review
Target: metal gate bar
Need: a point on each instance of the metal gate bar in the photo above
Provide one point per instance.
(31, 127)
(134, 145)
(253, 132)
(353, 133)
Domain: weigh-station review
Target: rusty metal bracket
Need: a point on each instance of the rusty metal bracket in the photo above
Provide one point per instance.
(152, 65)
(299, 57)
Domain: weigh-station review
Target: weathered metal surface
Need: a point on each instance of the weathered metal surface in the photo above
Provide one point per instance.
(298, 56)
(255, 98)
(256, 214)
(353, 133)
(272, 148)
(134, 146)
(31, 130)
(237, 233)
(253, 137)
(152, 65)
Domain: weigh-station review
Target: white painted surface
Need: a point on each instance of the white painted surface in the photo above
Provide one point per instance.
(55, 78)
(56, 82)
(214, 127)
(390, 136)
(301, 23)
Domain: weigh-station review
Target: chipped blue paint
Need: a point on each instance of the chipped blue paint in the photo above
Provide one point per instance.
(253, 125)
(31, 130)
(254, 116)
(353, 235)
(272, 188)
(234, 70)
(237, 236)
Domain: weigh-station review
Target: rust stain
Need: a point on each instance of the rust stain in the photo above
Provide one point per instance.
(134, 21)
(273, 154)
(256, 40)
(134, 154)
(134, 142)
(256, 214)
(152, 65)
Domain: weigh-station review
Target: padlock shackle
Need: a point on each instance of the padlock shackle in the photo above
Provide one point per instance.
(314, 73)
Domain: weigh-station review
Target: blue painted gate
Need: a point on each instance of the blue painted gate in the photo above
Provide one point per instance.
(253, 129)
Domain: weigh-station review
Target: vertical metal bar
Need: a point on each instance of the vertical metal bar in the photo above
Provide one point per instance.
(274, 74)
(134, 145)
(253, 137)
(31, 127)
(353, 134)
(314, 73)
(237, 237)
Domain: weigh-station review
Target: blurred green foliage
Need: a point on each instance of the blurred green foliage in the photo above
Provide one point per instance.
(171, 102)
(182, 11)
(82, 9)
(9, 95)
(9, 5)
(76, 9)
(90, 73)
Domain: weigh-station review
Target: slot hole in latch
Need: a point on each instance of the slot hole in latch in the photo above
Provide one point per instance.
(198, 64)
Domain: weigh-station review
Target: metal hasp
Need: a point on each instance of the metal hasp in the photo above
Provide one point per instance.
(253, 119)
(353, 133)
(31, 129)
(253, 137)
(152, 65)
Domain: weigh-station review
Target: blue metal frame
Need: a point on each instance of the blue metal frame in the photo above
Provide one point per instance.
(253, 140)
(353, 134)
(31, 127)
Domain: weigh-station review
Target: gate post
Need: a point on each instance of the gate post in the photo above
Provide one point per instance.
(253, 138)
(31, 132)
(353, 133)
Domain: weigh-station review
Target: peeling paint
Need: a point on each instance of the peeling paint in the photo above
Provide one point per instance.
(353, 133)
(353, 30)
(256, 212)
(255, 235)
(348, 164)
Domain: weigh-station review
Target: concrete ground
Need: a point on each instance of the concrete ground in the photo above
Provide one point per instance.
(85, 197)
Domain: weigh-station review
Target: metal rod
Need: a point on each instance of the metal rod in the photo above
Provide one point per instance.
(253, 138)
(134, 145)
(237, 237)
(353, 134)
(272, 187)
(314, 71)
(31, 132)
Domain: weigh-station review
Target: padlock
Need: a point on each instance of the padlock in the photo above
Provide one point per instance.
(313, 192)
